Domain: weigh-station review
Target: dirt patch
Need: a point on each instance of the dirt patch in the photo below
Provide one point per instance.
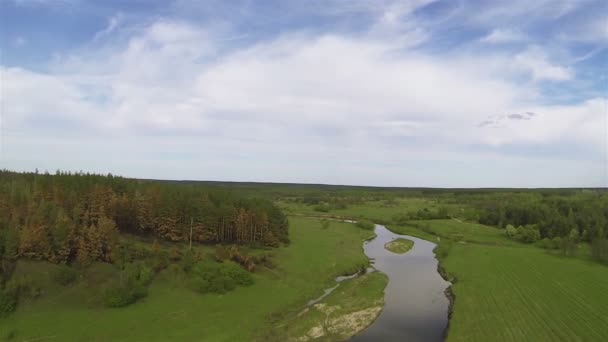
(344, 325)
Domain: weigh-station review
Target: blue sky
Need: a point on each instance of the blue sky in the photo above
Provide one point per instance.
(389, 93)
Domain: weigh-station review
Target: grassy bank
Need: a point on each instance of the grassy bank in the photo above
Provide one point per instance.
(173, 312)
(353, 306)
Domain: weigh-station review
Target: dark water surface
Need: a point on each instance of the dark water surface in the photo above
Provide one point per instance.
(416, 307)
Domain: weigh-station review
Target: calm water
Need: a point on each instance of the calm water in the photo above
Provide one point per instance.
(416, 308)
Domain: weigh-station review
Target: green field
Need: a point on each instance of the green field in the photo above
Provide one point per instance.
(173, 312)
(508, 291)
(525, 294)
(464, 232)
(379, 211)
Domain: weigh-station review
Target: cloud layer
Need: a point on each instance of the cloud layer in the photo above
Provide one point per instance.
(169, 98)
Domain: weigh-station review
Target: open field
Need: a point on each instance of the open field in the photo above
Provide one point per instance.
(464, 232)
(525, 294)
(379, 211)
(173, 312)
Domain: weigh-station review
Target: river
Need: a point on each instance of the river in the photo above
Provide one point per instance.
(416, 307)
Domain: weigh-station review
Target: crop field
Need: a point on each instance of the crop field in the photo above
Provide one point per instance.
(509, 291)
(174, 312)
(526, 294)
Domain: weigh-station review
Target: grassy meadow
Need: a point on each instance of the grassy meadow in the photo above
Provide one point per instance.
(505, 290)
(174, 312)
(376, 210)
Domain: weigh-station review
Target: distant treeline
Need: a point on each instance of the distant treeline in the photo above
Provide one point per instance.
(584, 213)
(66, 217)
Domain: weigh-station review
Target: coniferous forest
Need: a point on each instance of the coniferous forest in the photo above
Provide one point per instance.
(76, 217)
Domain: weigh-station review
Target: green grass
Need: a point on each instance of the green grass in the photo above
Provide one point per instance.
(352, 297)
(509, 291)
(399, 246)
(377, 211)
(172, 312)
(464, 232)
(525, 294)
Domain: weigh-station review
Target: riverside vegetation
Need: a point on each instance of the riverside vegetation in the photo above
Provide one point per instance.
(157, 260)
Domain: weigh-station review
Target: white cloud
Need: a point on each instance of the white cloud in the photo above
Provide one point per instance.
(498, 36)
(535, 61)
(317, 97)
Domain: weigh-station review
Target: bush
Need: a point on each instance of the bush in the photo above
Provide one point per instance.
(401, 219)
(138, 273)
(219, 278)
(133, 286)
(599, 250)
(266, 260)
(238, 274)
(363, 224)
(118, 295)
(322, 208)
(8, 301)
(527, 234)
(511, 232)
(64, 275)
(324, 224)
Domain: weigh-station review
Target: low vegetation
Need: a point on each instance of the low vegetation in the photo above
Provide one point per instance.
(296, 274)
(399, 245)
(352, 307)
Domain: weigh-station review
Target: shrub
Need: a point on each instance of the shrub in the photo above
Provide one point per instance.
(527, 234)
(138, 273)
(118, 295)
(363, 224)
(64, 275)
(557, 242)
(599, 250)
(8, 300)
(511, 232)
(219, 278)
(324, 224)
(221, 253)
(132, 286)
(187, 261)
(322, 208)
(401, 219)
(266, 260)
(544, 243)
(238, 274)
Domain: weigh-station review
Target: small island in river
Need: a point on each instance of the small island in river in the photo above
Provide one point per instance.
(399, 245)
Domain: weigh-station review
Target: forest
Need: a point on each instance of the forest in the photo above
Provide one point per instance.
(78, 217)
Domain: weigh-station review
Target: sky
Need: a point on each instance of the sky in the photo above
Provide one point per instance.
(416, 93)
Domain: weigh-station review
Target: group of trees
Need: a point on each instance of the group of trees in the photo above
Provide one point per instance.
(80, 217)
(557, 220)
(554, 215)
(422, 214)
